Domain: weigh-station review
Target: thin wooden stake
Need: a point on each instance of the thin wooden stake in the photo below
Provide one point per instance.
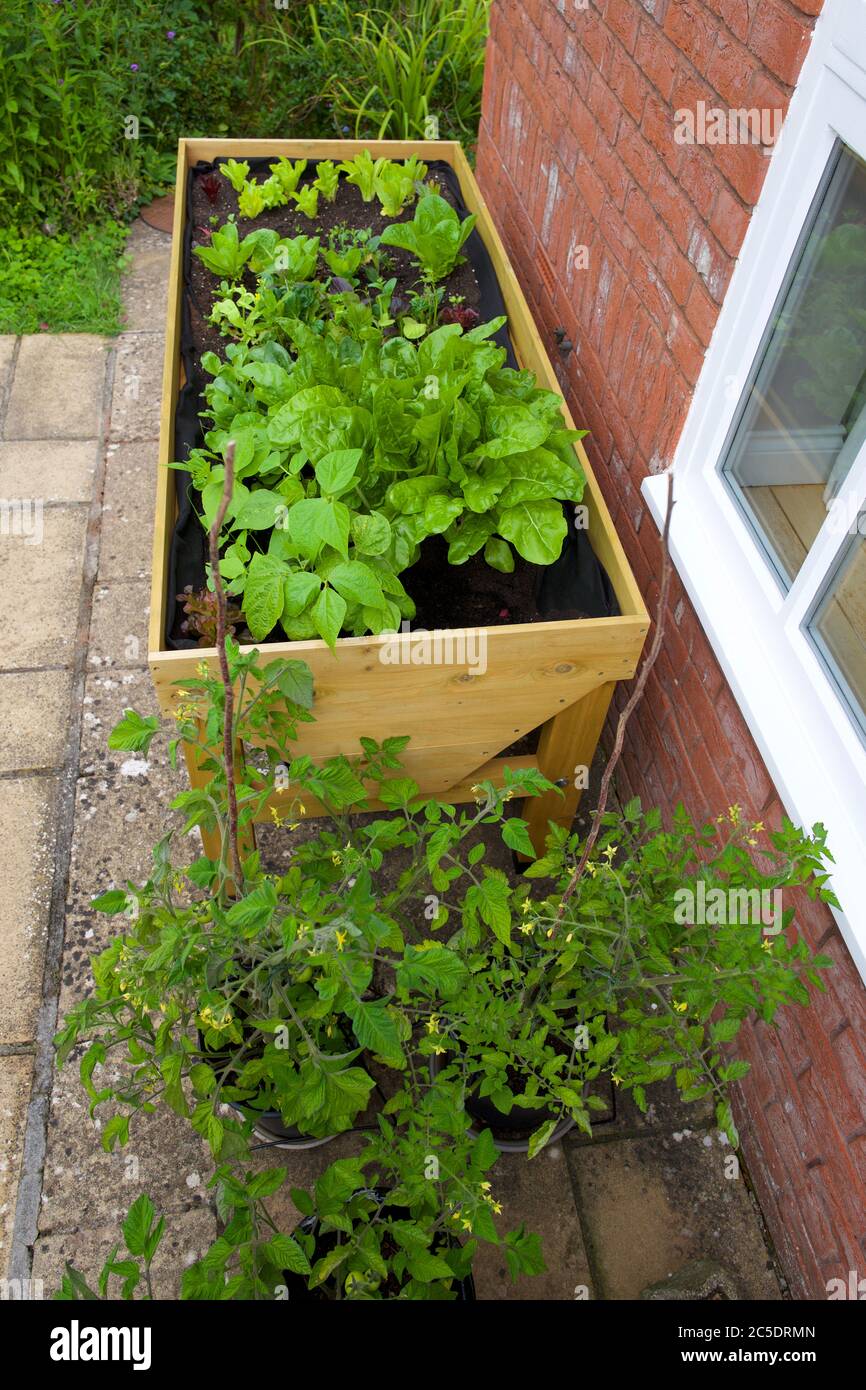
(229, 712)
(633, 702)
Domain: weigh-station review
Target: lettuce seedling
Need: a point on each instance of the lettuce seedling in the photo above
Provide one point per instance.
(252, 200)
(307, 200)
(362, 172)
(327, 179)
(289, 174)
(434, 236)
(344, 264)
(395, 187)
(235, 173)
(226, 256)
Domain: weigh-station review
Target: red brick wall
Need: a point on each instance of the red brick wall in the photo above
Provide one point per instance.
(576, 149)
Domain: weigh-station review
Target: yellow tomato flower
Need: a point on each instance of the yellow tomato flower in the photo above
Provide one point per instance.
(341, 940)
(680, 1007)
(432, 1024)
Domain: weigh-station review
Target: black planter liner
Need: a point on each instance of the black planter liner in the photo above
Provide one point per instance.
(296, 1284)
(576, 582)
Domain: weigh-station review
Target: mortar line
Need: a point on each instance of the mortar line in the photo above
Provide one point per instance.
(29, 1195)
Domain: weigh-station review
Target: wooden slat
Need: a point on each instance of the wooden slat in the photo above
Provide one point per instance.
(166, 507)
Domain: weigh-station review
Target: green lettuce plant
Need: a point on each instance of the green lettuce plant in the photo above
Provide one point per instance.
(394, 186)
(434, 236)
(327, 179)
(361, 172)
(226, 255)
(288, 173)
(307, 200)
(236, 173)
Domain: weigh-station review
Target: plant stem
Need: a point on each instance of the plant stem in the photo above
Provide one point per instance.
(634, 701)
(228, 688)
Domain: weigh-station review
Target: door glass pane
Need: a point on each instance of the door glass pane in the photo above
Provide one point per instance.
(802, 418)
(838, 624)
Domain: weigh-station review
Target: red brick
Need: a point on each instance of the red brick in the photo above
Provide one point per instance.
(623, 18)
(737, 15)
(583, 124)
(701, 313)
(685, 349)
(636, 154)
(673, 207)
(628, 85)
(604, 106)
(657, 124)
(611, 170)
(728, 221)
(779, 39)
(589, 186)
(646, 226)
(656, 57)
(744, 167)
(595, 39)
(676, 272)
(730, 69)
(692, 30)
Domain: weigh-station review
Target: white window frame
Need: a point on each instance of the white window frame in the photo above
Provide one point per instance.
(815, 754)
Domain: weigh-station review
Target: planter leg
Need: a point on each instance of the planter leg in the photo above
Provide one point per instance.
(567, 745)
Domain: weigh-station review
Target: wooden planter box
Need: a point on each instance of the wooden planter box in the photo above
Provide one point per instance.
(556, 675)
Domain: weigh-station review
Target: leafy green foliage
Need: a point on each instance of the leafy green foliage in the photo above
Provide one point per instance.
(61, 283)
(434, 236)
(354, 450)
(225, 254)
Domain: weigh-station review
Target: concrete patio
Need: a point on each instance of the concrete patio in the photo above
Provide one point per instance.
(78, 431)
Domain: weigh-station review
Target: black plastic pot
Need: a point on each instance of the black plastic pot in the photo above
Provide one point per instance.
(520, 1120)
(268, 1126)
(296, 1284)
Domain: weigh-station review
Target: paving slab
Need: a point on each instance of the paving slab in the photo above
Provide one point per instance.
(57, 470)
(129, 503)
(118, 820)
(188, 1235)
(145, 283)
(15, 1077)
(539, 1194)
(27, 833)
(57, 388)
(107, 693)
(35, 723)
(118, 627)
(83, 1185)
(137, 393)
(41, 584)
(649, 1206)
